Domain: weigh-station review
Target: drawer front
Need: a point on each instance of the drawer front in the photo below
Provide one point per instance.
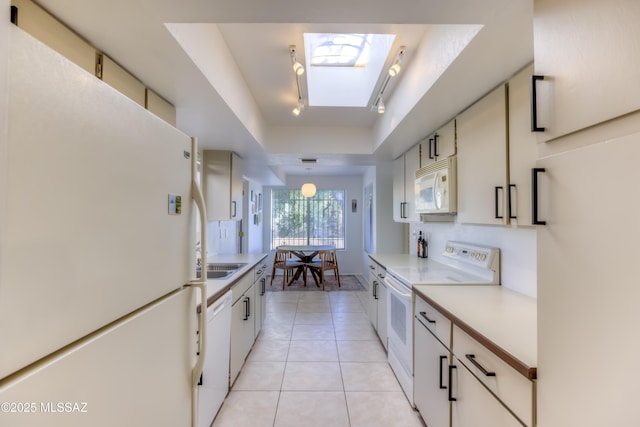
(259, 271)
(434, 321)
(512, 388)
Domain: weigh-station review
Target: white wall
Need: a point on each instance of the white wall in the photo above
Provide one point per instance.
(517, 248)
(253, 231)
(350, 260)
(388, 235)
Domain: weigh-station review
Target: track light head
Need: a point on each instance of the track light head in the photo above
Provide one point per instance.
(298, 68)
(381, 107)
(394, 70)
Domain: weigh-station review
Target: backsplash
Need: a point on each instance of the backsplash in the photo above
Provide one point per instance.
(517, 248)
(222, 238)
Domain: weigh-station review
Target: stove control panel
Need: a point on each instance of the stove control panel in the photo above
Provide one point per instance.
(479, 256)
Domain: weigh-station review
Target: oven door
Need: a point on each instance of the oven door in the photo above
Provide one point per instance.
(400, 333)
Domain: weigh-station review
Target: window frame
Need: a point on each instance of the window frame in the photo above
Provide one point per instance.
(307, 223)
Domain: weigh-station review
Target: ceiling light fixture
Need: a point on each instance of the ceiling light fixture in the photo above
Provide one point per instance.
(308, 188)
(298, 69)
(394, 70)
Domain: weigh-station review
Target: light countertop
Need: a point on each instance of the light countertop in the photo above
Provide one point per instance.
(218, 287)
(492, 314)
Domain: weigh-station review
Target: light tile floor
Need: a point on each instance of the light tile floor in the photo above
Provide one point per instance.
(317, 362)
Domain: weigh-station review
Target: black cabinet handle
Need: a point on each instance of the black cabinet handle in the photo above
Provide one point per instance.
(510, 211)
(534, 196)
(249, 306)
(431, 152)
(442, 386)
(234, 209)
(403, 209)
(451, 368)
(246, 308)
(14, 15)
(435, 145)
(424, 314)
(472, 358)
(534, 104)
(497, 190)
(263, 286)
(375, 289)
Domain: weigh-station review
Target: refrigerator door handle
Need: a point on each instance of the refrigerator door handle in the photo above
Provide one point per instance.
(201, 283)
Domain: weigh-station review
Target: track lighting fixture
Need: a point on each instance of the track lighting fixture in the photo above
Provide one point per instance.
(298, 108)
(394, 70)
(298, 70)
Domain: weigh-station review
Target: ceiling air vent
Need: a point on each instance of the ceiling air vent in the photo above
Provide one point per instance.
(309, 160)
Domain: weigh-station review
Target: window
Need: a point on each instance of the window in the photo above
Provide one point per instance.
(298, 220)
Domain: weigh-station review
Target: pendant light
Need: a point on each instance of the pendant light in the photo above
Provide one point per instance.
(308, 188)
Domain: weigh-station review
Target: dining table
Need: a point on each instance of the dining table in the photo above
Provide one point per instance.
(306, 254)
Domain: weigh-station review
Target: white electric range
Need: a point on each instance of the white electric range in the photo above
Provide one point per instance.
(466, 264)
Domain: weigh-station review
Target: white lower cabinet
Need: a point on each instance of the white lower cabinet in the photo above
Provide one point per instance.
(242, 327)
(431, 380)
(260, 286)
(459, 382)
(474, 406)
(377, 308)
(383, 295)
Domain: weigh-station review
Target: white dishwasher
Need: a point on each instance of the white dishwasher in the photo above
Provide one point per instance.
(215, 375)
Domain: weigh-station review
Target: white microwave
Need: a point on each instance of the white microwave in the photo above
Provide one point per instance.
(435, 190)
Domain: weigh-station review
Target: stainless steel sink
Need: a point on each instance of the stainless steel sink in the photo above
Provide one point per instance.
(219, 274)
(215, 266)
(221, 270)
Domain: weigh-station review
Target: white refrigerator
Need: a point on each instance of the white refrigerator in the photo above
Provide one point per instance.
(98, 321)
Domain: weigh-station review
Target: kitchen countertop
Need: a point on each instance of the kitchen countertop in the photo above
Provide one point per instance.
(218, 287)
(500, 318)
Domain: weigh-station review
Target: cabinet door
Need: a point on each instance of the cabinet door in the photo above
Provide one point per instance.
(242, 331)
(431, 363)
(522, 149)
(260, 304)
(482, 161)
(382, 312)
(374, 284)
(411, 165)
(439, 145)
(587, 299)
(399, 207)
(236, 187)
(474, 405)
(236, 354)
(589, 54)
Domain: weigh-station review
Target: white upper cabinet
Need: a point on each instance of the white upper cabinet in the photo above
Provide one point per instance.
(404, 180)
(222, 185)
(589, 55)
(482, 161)
(522, 149)
(439, 145)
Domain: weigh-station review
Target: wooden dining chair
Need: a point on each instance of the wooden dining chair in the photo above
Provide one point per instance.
(282, 261)
(328, 261)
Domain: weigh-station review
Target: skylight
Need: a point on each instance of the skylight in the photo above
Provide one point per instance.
(341, 50)
(344, 68)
